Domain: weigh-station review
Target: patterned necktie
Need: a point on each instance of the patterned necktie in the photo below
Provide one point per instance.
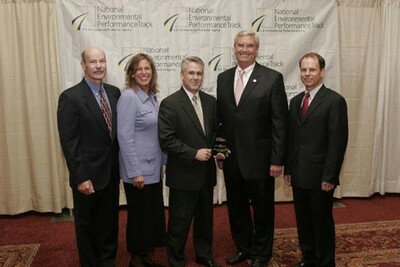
(305, 106)
(239, 86)
(106, 111)
(198, 111)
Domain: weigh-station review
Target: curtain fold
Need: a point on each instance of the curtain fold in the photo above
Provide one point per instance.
(32, 169)
(359, 31)
(33, 174)
(369, 41)
(386, 171)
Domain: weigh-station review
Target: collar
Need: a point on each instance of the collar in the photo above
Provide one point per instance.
(190, 94)
(143, 96)
(94, 87)
(247, 70)
(314, 91)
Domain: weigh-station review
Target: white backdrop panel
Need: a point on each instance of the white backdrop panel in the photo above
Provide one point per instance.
(170, 30)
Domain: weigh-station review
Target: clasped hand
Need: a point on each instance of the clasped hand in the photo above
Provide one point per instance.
(203, 154)
(86, 187)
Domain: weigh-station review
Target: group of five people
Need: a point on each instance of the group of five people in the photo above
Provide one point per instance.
(305, 143)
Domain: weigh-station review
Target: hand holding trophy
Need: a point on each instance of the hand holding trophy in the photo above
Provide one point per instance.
(220, 150)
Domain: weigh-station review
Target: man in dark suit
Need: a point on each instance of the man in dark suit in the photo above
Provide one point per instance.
(252, 107)
(187, 128)
(318, 133)
(88, 139)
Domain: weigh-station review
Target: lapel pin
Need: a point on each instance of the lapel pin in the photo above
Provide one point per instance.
(254, 81)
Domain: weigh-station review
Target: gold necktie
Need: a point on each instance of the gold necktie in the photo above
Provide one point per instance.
(199, 113)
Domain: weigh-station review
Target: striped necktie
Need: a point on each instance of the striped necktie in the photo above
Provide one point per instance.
(106, 111)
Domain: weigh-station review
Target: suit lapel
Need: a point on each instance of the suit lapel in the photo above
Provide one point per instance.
(205, 106)
(251, 84)
(230, 86)
(93, 106)
(318, 99)
(297, 107)
(189, 109)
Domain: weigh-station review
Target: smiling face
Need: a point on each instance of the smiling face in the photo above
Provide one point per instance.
(246, 50)
(143, 74)
(311, 73)
(94, 65)
(192, 76)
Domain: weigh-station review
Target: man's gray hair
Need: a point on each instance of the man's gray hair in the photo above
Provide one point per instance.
(247, 33)
(191, 59)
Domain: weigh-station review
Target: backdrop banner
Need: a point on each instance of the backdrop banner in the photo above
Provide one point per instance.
(170, 30)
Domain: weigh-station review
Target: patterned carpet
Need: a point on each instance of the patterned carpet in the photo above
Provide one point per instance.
(373, 244)
(17, 255)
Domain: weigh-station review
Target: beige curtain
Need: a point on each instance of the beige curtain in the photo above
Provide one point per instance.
(32, 169)
(386, 169)
(369, 45)
(33, 175)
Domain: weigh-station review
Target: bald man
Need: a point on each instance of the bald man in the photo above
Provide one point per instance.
(87, 127)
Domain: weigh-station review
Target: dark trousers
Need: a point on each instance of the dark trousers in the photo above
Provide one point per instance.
(183, 207)
(315, 226)
(96, 226)
(251, 234)
(145, 227)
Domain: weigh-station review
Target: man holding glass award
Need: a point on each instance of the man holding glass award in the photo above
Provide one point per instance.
(187, 126)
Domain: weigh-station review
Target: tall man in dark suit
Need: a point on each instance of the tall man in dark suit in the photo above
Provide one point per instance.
(318, 133)
(252, 106)
(88, 139)
(187, 128)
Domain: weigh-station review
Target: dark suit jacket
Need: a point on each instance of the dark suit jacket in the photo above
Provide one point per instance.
(256, 128)
(318, 142)
(89, 150)
(181, 136)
